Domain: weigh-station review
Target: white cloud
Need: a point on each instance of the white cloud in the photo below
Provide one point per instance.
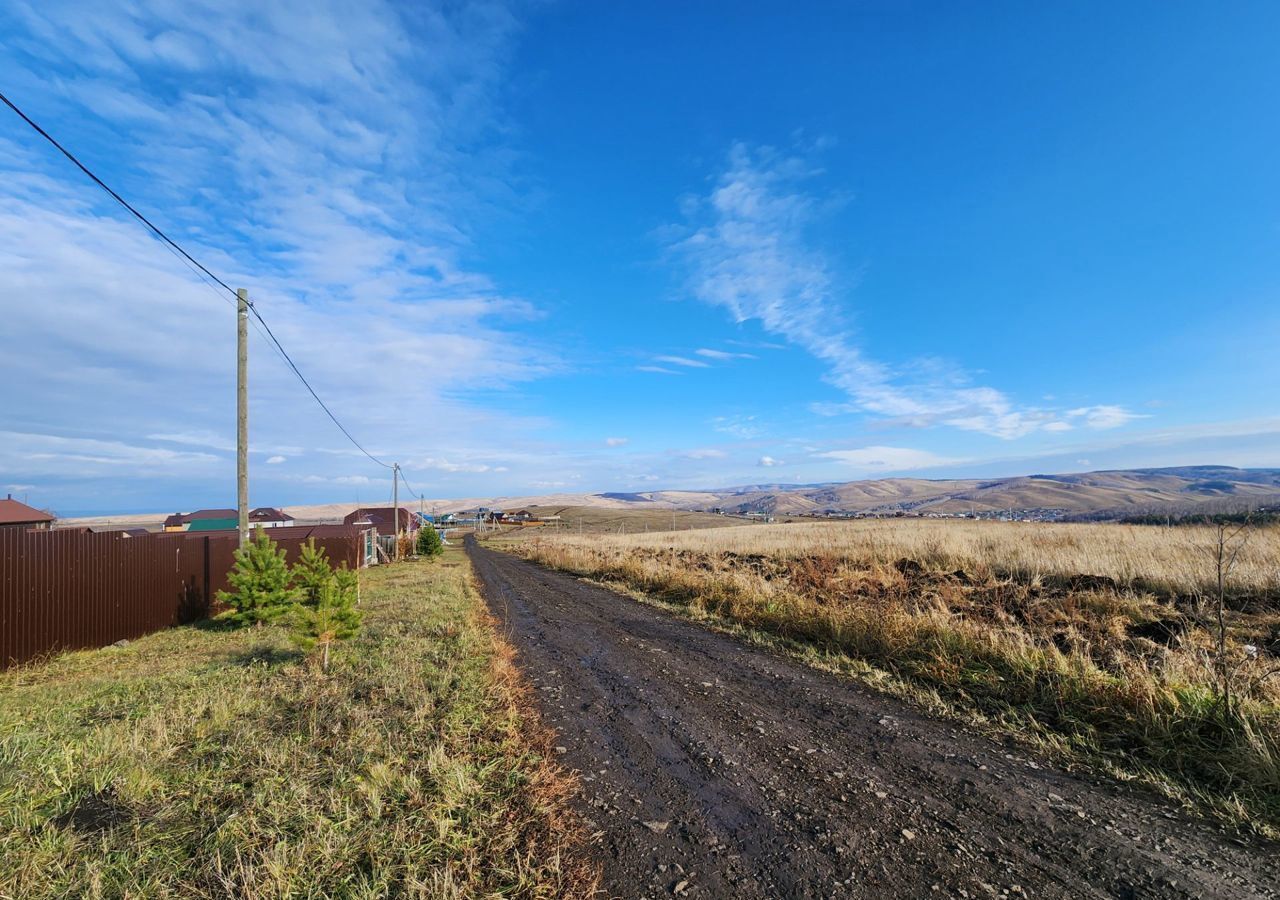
(770, 462)
(358, 480)
(1057, 426)
(704, 453)
(1104, 417)
(616, 441)
(747, 251)
(276, 460)
(444, 465)
(201, 438)
(682, 361)
(340, 185)
(658, 369)
(743, 427)
(888, 459)
(49, 454)
(722, 355)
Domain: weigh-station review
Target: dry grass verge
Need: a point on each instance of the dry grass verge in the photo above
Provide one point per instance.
(212, 762)
(1086, 635)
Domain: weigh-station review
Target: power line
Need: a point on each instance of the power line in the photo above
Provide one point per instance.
(312, 390)
(204, 280)
(188, 258)
(411, 490)
(99, 182)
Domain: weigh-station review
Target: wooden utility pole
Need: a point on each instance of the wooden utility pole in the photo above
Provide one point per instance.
(242, 414)
(395, 502)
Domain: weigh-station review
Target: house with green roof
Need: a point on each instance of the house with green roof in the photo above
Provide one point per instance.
(214, 524)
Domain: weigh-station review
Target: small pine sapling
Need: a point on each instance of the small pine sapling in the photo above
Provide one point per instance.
(429, 543)
(333, 618)
(311, 573)
(261, 591)
(348, 580)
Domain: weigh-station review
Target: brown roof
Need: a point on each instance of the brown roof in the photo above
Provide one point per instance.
(281, 533)
(12, 512)
(267, 514)
(382, 517)
(259, 514)
(185, 518)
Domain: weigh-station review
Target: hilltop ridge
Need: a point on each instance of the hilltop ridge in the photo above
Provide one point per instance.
(1108, 493)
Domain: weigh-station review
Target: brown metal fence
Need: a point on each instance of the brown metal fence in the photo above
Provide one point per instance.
(74, 589)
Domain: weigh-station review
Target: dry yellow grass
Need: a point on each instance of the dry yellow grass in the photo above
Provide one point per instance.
(1094, 635)
(1168, 560)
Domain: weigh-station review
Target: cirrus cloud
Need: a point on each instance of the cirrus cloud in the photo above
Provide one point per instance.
(1102, 418)
(704, 453)
(745, 248)
(888, 459)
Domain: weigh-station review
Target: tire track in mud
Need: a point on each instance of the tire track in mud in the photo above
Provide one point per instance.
(710, 768)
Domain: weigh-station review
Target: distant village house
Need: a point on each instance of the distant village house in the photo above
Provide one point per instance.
(218, 519)
(383, 518)
(16, 514)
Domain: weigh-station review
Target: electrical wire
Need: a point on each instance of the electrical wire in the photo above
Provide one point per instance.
(203, 272)
(99, 182)
(312, 391)
(213, 290)
(412, 492)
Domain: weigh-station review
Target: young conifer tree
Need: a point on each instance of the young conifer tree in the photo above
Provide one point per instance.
(348, 580)
(333, 618)
(429, 543)
(261, 591)
(311, 573)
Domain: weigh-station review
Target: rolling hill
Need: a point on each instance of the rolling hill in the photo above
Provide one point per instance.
(1118, 493)
(1115, 493)
(1109, 492)
(1089, 494)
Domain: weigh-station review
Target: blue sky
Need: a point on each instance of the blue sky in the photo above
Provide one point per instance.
(526, 248)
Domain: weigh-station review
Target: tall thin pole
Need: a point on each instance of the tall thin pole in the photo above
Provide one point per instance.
(242, 414)
(395, 501)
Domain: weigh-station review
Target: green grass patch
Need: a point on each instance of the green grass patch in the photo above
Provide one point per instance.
(208, 761)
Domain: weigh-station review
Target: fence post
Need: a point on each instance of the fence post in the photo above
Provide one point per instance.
(208, 598)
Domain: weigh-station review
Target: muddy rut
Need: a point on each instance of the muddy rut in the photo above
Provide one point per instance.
(710, 768)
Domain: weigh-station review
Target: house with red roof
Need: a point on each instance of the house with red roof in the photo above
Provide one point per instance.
(16, 514)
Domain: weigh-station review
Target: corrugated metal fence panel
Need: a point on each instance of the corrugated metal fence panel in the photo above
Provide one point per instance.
(69, 590)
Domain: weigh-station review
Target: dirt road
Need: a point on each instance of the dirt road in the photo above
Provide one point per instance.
(710, 768)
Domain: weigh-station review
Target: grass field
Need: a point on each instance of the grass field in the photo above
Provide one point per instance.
(1096, 638)
(603, 520)
(210, 762)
